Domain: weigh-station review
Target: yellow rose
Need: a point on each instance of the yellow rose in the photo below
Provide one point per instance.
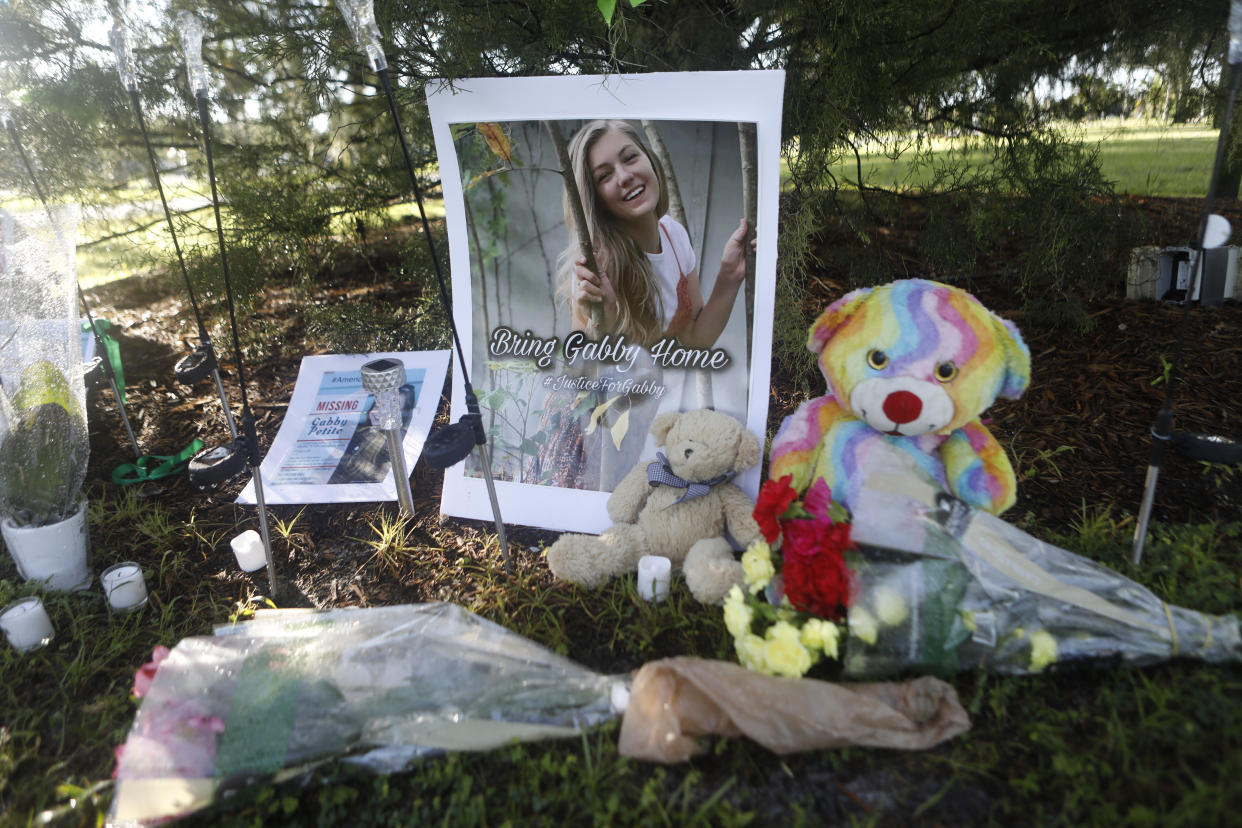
(757, 566)
(783, 653)
(890, 607)
(1043, 650)
(862, 625)
(750, 652)
(819, 634)
(737, 615)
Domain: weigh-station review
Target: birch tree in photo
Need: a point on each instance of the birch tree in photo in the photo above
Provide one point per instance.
(574, 198)
(677, 209)
(580, 222)
(748, 142)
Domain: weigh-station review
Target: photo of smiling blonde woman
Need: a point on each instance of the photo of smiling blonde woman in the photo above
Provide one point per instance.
(647, 289)
(648, 280)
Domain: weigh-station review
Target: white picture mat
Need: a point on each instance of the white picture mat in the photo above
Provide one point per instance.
(431, 366)
(704, 96)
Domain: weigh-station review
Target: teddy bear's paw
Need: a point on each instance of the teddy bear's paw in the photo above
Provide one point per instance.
(711, 571)
(571, 559)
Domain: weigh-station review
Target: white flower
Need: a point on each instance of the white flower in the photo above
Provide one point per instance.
(757, 566)
(737, 615)
(1043, 650)
(783, 652)
(890, 606)
(862, 625)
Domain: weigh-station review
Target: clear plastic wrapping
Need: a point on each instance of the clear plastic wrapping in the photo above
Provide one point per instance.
(381, 686)
(944, 587)
(190, 30)
(44, 448)
(119, 40)
(360, 17)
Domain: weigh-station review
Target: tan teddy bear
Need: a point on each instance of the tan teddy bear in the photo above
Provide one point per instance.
(680, 506)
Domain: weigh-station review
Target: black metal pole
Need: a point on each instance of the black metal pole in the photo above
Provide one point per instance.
(249, 435)
(472, 403)
(1162, 431)
(203, 337)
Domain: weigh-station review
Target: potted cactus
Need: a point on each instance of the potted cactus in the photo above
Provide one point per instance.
(43, 457)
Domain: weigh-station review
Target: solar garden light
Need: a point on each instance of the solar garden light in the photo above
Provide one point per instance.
(212, 466)
(6, 119)
(1213, 231)
(453, 443)
(201, 362)
(383, 379)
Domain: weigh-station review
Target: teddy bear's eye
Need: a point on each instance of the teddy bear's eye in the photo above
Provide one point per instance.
(946, 371)
(877, 359)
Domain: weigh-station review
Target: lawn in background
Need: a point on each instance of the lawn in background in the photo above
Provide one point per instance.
(1140, 157)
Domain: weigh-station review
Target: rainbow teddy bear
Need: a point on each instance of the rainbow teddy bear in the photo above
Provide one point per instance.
(910, 366)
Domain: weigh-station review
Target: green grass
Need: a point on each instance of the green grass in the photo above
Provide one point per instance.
(1113, 746)
(1141, 158)
(144, 243)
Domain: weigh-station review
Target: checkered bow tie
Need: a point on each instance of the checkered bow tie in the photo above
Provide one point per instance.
(660, 473)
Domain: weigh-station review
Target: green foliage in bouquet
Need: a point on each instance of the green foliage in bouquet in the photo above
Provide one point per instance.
(43, 456)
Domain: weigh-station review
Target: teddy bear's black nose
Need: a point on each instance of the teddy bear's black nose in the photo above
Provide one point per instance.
(689, 452)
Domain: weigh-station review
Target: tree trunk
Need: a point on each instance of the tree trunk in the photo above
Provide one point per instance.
(1227, 185)
(575, 202)
(676, 208)
(704, 397)
(748, 141)
(606, 469)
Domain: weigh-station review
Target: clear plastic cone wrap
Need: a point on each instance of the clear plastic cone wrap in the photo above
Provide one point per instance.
(271, 697)
(944, 587)
(43, 438)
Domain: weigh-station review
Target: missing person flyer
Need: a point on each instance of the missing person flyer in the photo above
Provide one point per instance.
(328, 450)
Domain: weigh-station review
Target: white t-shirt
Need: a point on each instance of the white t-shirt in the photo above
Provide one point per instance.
(664, 264)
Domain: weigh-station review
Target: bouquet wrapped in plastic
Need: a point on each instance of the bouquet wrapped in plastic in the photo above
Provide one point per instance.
(271, 697)
(920, 582)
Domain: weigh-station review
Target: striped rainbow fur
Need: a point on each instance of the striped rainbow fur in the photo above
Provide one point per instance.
(910, 366)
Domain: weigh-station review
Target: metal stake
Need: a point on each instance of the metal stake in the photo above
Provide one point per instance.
(203, 336)
(472, 402)
(1162, 431)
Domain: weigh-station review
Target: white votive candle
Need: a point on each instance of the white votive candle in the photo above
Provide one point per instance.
(248, 549)
(124, 586)
(26, 625)
(653, 576)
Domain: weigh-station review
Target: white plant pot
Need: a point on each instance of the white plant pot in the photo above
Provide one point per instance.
(55, 554)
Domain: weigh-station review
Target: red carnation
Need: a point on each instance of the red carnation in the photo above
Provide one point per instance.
(817, 579)
(774, 499)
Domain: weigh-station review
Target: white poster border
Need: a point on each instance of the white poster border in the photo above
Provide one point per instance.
(744, 96)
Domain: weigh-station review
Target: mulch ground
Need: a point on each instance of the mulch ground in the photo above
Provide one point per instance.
(1079, 437)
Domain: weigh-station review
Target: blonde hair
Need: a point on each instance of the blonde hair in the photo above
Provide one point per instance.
(640, 312)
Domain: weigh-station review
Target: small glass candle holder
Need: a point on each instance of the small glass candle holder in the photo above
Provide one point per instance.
(124, 587)
(248, 549)
(654, 572)
(26, 625)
